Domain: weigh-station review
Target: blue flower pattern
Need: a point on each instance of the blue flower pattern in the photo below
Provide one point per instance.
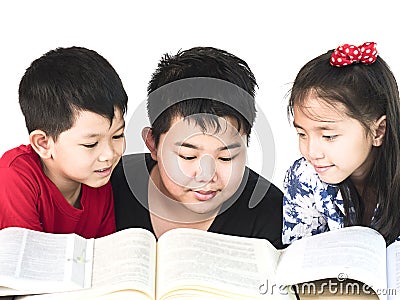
(310, 206)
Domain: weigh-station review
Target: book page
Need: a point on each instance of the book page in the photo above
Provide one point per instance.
(38, 262)
(353, 252)
(393, 270)
(126, 258)
(124, 263)
(221, 264)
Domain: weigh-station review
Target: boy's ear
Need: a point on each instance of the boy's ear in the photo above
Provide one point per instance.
(41, 143)
(379, 131)
(147, 136)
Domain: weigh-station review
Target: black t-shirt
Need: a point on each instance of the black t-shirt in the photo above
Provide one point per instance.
(255, 210)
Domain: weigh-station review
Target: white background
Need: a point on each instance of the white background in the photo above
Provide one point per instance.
(276, 38)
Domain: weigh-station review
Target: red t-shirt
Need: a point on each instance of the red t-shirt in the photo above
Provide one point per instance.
(28, 198)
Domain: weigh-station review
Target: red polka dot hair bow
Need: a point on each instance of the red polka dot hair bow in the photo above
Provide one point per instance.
(349, 54)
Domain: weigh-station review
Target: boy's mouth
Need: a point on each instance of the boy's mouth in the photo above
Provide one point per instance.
(104, 171)
(204, 195)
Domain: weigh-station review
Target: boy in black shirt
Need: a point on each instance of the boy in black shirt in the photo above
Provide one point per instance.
(201, 109)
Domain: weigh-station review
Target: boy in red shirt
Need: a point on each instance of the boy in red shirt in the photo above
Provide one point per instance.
(73, 102)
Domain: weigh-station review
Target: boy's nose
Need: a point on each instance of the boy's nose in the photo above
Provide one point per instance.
(108, 153)
(207, 168)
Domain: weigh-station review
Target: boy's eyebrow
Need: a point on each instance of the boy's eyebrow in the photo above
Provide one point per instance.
(92, 135)
(122, 126)
(231, 146)
(191, 146)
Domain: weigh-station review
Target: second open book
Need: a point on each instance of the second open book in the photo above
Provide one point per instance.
(191, 264)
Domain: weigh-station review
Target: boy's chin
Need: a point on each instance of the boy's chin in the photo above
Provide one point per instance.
(97, 183)
(206, 208)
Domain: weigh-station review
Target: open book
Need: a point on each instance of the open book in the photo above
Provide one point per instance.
(188, 263)
(130, 264)
(354, 259)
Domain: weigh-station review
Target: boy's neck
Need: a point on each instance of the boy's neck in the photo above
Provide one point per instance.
(73, 197)
(71, 193)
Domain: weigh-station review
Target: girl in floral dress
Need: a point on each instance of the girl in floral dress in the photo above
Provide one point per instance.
(346, 110)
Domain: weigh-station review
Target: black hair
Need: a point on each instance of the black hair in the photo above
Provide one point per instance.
(65, 81)
(368, 92)
(201, 62)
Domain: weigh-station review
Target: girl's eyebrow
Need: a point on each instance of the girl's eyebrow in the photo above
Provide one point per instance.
(296, 125)
(322, 127)
(191, 146)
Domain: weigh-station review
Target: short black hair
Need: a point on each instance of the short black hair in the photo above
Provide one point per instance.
(65, 81)
(235, 100)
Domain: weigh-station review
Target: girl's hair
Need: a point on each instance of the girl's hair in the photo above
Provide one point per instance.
(368, 92)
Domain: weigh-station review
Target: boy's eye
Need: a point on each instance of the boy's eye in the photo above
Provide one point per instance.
(226, 158)
(116, 137)
(90, 145)
(187, 157)
(330, 137)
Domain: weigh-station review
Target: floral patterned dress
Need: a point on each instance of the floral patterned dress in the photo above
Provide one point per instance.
(310, 206)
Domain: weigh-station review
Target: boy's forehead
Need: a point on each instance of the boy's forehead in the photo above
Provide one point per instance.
(90, 123)
(184, 128)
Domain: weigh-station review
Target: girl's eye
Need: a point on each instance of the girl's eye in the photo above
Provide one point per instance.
(301, 134)
(89, 145)
(187, 157)
(116, 137)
